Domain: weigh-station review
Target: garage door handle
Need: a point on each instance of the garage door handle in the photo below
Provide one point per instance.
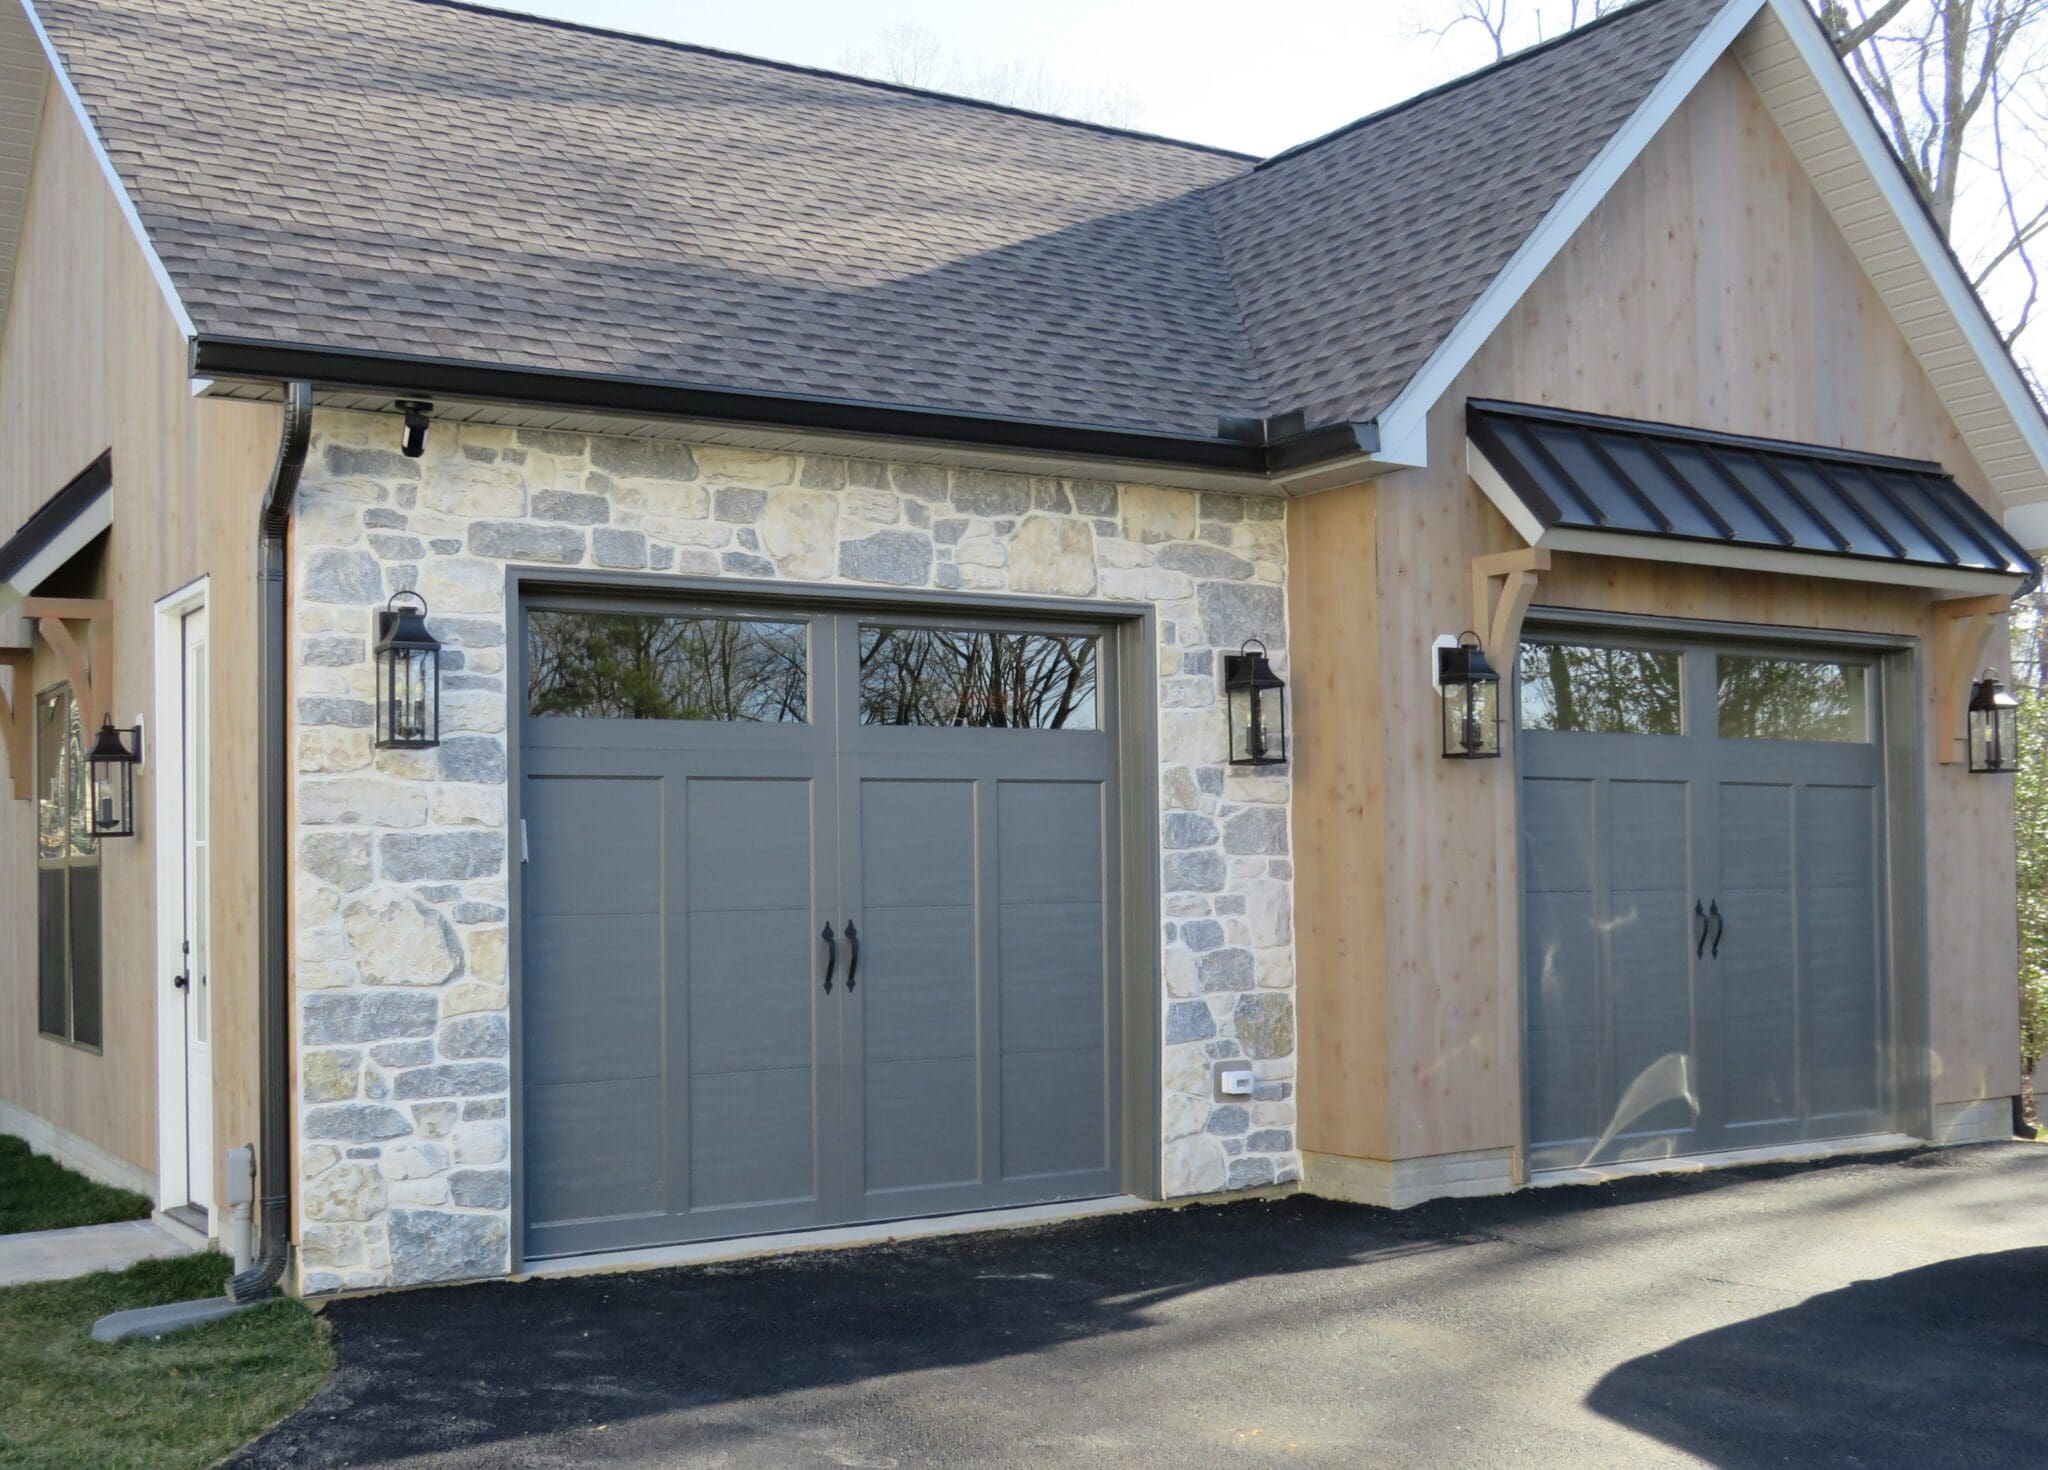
(831, 954)
(1714, 909)
(1701, 914)
(853, 961)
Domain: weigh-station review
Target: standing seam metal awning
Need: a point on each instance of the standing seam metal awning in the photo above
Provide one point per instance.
(1622, 487)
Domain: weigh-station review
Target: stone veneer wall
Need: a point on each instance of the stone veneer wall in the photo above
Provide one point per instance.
(401, 885)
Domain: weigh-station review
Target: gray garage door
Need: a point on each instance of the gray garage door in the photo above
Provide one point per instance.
(1703, 925)
(818, 920)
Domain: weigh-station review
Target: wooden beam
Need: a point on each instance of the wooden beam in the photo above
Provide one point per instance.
(1498, 619)
(1962, 630)
(92, 679)
(17, 714)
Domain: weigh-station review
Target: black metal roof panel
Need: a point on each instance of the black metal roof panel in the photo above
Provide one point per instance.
(1591, 473)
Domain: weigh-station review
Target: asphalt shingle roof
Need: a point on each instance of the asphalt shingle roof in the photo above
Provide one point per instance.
(423, 178)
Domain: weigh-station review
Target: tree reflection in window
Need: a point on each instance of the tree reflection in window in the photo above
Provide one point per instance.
(642, 666)
(1791, 699)
(976, 677)
(1599, 690)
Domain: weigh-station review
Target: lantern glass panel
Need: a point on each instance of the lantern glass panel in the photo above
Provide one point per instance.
(1258, 723)
(1471, 720)
(1993, 738)
(408, 712)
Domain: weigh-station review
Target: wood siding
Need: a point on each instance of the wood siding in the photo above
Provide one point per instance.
(91, 360)
(1711, 288)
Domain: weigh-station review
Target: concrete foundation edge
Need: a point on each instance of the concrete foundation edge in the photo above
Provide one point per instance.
(73, 1152)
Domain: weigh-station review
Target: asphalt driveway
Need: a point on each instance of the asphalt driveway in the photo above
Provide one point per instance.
(1863, 1313)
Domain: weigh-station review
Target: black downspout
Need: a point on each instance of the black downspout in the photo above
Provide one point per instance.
(273, 847)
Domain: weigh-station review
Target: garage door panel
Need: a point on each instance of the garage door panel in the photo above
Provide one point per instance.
(1646, 826)
(594, 1150)
(1759, 1006)
(1837, 839)
(750, 843)
(917, 843)
(1780, 1033)
(1054, 1112)
(1557, 835)
(593, 844)
(750, 990)
(1650, 961)
(922, 1123)
(594, 991)
(1562, 946)
(752, 1138)
(917, 983)
(1756, 832)
(1049, 841)
(1050, 986)
(1564, 1086)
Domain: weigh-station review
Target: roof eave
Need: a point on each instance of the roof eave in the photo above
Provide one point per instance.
(1286, 462)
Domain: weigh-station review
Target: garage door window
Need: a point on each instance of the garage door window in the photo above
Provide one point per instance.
(1792, 699)
(1602, 690)
(969, 677)
(641, 666)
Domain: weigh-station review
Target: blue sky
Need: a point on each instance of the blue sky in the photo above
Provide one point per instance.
(1255, 78)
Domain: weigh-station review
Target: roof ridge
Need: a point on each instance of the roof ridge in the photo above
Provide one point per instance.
(474, 7)
(1430, 94)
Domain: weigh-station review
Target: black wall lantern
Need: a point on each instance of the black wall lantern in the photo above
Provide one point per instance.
(408, 676)
(111, 765)
(1994, 736)
(1470, 690)
(1258, 708)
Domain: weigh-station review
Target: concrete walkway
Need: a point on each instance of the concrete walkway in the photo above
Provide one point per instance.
(58, 1255)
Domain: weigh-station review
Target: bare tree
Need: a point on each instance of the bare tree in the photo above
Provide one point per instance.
(1506, 21)
(913, 56)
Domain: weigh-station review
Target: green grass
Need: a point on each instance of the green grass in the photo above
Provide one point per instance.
(38, 1193)
(66, 1401)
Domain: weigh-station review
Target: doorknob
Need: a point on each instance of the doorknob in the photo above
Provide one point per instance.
(182, 980)
(831, 954)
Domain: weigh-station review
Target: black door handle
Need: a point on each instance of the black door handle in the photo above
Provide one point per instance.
(1700, 914)
(181, 980)
(1720, 924)
(853, 962)
(831, 954)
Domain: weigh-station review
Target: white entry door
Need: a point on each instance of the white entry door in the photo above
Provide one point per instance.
(193, 961)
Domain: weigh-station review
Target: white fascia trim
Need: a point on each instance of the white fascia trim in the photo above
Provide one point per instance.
(1683, 551)
(96, 516)
(2028, 525)
(1404, 427)
(121, 197)
(1804, 31)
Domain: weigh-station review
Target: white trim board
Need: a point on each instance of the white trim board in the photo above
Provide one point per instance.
(1685, 551)
(166, 837)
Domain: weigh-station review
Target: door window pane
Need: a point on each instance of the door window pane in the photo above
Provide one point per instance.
(977, 677)
(1792, 699)
(1599, 690)
(645, 666)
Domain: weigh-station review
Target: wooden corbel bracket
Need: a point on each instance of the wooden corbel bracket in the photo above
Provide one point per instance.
(1962, 630)
(17, 709)
(1497, 616)
(91, 669)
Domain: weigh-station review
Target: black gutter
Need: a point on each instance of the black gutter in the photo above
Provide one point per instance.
(273, 847)
(438, 377)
